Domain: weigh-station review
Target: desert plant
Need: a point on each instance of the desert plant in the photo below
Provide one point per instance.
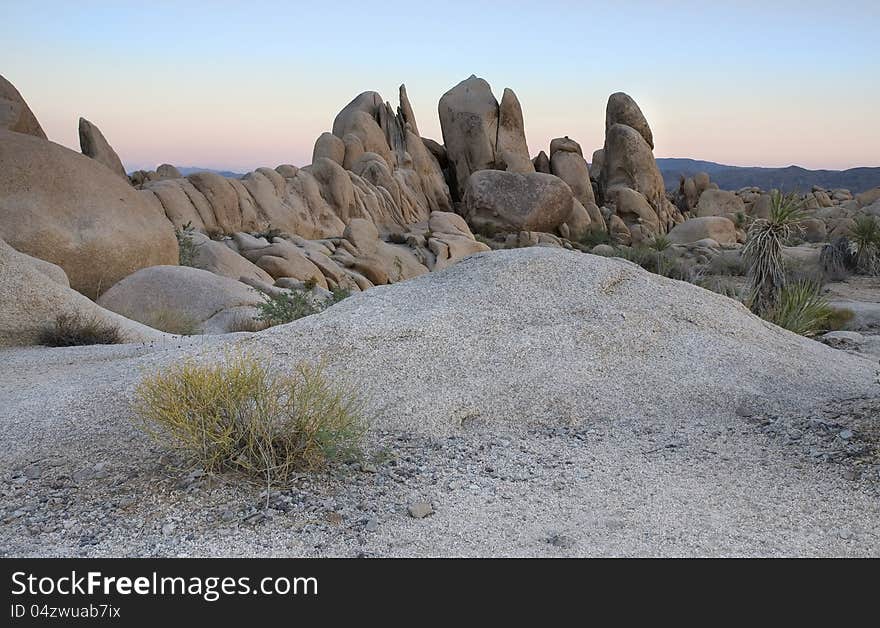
(763, 250)
(838, 258)
(595, 237)
(185, 244)
(237, 415)
(75, 330)
(659, 243)
(865, 235)
(173, 322)
(338, 294)
(483, 239)
(801, 308)
(285, 307)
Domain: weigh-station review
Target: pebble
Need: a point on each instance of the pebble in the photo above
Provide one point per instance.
(372, 525)
(420, 510)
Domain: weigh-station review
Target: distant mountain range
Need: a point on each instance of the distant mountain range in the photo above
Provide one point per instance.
(188, 170)
(727, 177)
(786, 179)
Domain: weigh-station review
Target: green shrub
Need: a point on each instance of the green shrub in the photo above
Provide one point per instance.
(839, 318)
(236, 415)
(75, 330)
(801, 308)
(722, 264)
(762, 252)
(338, 294)
(285, 307)
(866, 237)
(594, 238)
(185, 244)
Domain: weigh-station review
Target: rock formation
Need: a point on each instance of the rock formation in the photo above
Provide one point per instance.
(33, 293)
(15, 115)
(495, 200)
(179, 299)
(481, 134)
(93, 144)
(68, 209)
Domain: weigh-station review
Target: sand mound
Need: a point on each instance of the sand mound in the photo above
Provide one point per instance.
(544, 334)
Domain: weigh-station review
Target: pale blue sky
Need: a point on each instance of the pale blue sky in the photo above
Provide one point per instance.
(240, 85)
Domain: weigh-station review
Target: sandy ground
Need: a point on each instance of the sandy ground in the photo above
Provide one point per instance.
(790, 472)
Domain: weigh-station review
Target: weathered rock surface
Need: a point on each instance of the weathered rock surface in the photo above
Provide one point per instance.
(33, 293)
(628, 162)
(469, 122)
(220, 259)
(182, 300)
(718, 228)
(67, 209)
(15, 115)
(508, 303)
(719, 203)
(572, 168)
(511, 149)
(93, 144)
(622, 109)
(507, 201)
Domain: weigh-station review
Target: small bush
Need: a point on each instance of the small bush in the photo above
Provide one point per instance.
(483, 239)
(173, 322)
(839, 318)
(76, 330)
(801, 308)
(866, 237)
(237, 416)
(838, 259)
(285, 307)
(594, 238)
(722, 264)
(185, 244)
(338, 294)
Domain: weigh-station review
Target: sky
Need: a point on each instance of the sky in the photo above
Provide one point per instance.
(238, 85)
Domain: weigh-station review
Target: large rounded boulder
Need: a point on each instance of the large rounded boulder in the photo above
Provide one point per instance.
(183, 300)
(34, 293)
(717, 228)
(495, 200)
(70, 210)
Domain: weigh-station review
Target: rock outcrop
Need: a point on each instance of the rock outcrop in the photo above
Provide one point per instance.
(481, 134)
(15, 115)
(34, 293)
(68, 209)
(627, 161)
(183, 300)
(93, 144)
(622, 109)
(716, 228)
(495, 200)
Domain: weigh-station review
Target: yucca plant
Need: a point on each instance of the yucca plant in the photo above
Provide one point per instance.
(763, 250)
(865, 234)
(801, 308)
(658, 244)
